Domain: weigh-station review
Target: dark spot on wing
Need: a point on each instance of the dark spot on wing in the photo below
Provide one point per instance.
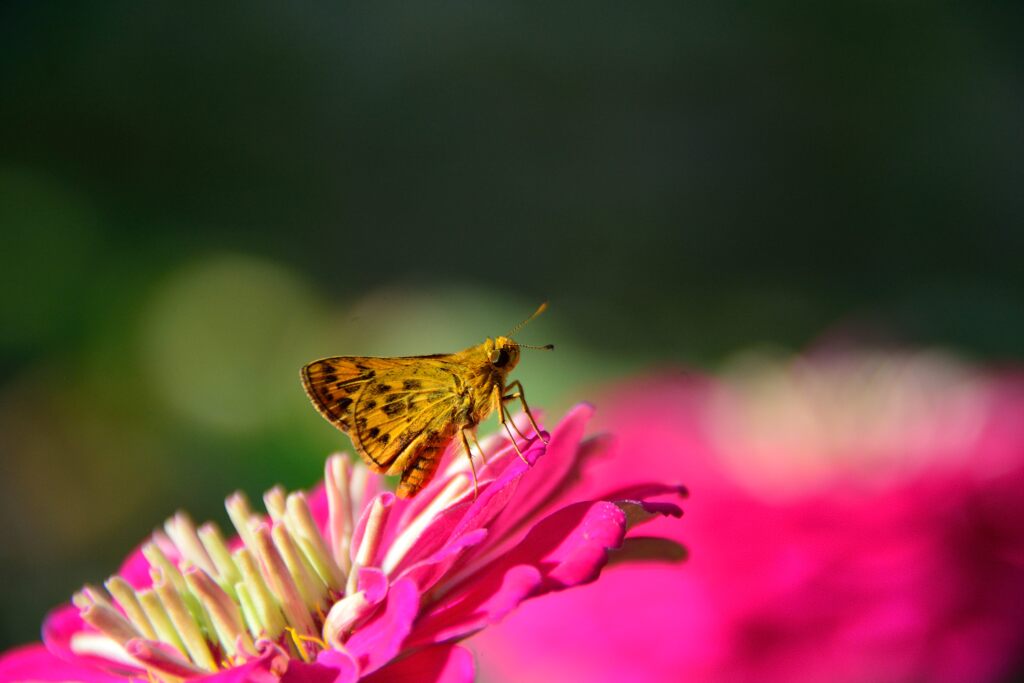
(412, 384)
(404, 441)
(371, 404)
(344, 403)
(374, 431)
(384, 438)
(360, 423)
(330, 378)
(380, 388)
(392, 409)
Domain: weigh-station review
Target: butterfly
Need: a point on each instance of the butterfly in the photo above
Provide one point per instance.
(402, 413)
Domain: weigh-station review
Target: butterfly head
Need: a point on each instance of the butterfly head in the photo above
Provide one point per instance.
(504, 354)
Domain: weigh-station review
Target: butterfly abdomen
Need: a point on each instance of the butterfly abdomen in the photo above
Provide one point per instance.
(425, 452)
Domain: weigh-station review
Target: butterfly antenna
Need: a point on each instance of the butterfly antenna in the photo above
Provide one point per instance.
(540, 309)
(546, 347)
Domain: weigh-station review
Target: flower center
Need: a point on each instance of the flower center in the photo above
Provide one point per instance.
(211, 603)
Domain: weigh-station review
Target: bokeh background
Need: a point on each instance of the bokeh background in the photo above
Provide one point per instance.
(196, 200)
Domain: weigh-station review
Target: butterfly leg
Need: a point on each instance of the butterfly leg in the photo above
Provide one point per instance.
(521, 395)
(505, 419)
(512, 422)
(479, 448)
(472, 466)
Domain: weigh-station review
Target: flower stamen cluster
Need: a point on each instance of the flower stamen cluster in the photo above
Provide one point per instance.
(285, 582)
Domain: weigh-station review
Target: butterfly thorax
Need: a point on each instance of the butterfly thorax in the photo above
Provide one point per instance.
(486, 367)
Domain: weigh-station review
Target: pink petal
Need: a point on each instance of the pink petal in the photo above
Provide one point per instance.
(268, 667)
(316, 499)
(135, 569)
(469, 515)
(500, 455)
(331, 666)
(422, 499)
(35, 663)
(555, 480)
(441, 664)
(434, 535)
(640, 512)
(577, 556)
(373, 583)
(496, 493)
(497, 484)
(58, 627)
(559, 459)
(471, 610)
(648, 549)
(645, 490)
(371, 587)
(565, 549)
(380, 639)
(430, 570)
(61, 625)
(549, 480)
(495, 497)
(591, 633)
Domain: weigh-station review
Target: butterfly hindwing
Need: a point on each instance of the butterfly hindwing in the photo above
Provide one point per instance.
(418, 461)
(402, 412)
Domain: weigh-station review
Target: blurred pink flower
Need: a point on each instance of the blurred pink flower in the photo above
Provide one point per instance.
(308, 596)
(855, 517)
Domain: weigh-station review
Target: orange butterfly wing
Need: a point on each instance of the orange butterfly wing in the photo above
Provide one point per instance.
(401, 413)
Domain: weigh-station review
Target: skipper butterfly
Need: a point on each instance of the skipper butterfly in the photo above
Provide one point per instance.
(402, 413)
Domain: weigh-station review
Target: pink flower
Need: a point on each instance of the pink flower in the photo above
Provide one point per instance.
(855, 517)
(348, 583)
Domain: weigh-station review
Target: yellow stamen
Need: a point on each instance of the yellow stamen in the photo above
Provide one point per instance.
(299, 639)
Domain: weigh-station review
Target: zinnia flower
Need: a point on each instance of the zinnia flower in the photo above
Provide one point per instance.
(349, 582)
(856, 517)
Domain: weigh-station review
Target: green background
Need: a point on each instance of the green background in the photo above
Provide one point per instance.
(195, 200)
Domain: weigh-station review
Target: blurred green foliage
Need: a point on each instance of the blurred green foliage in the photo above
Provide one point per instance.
(195, 200)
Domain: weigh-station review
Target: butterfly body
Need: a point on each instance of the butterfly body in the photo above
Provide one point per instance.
(402, 413)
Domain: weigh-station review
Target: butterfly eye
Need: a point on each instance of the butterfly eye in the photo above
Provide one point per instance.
(499, 358)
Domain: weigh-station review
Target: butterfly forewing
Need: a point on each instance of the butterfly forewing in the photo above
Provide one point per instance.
(333, 384)
(400, 413)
